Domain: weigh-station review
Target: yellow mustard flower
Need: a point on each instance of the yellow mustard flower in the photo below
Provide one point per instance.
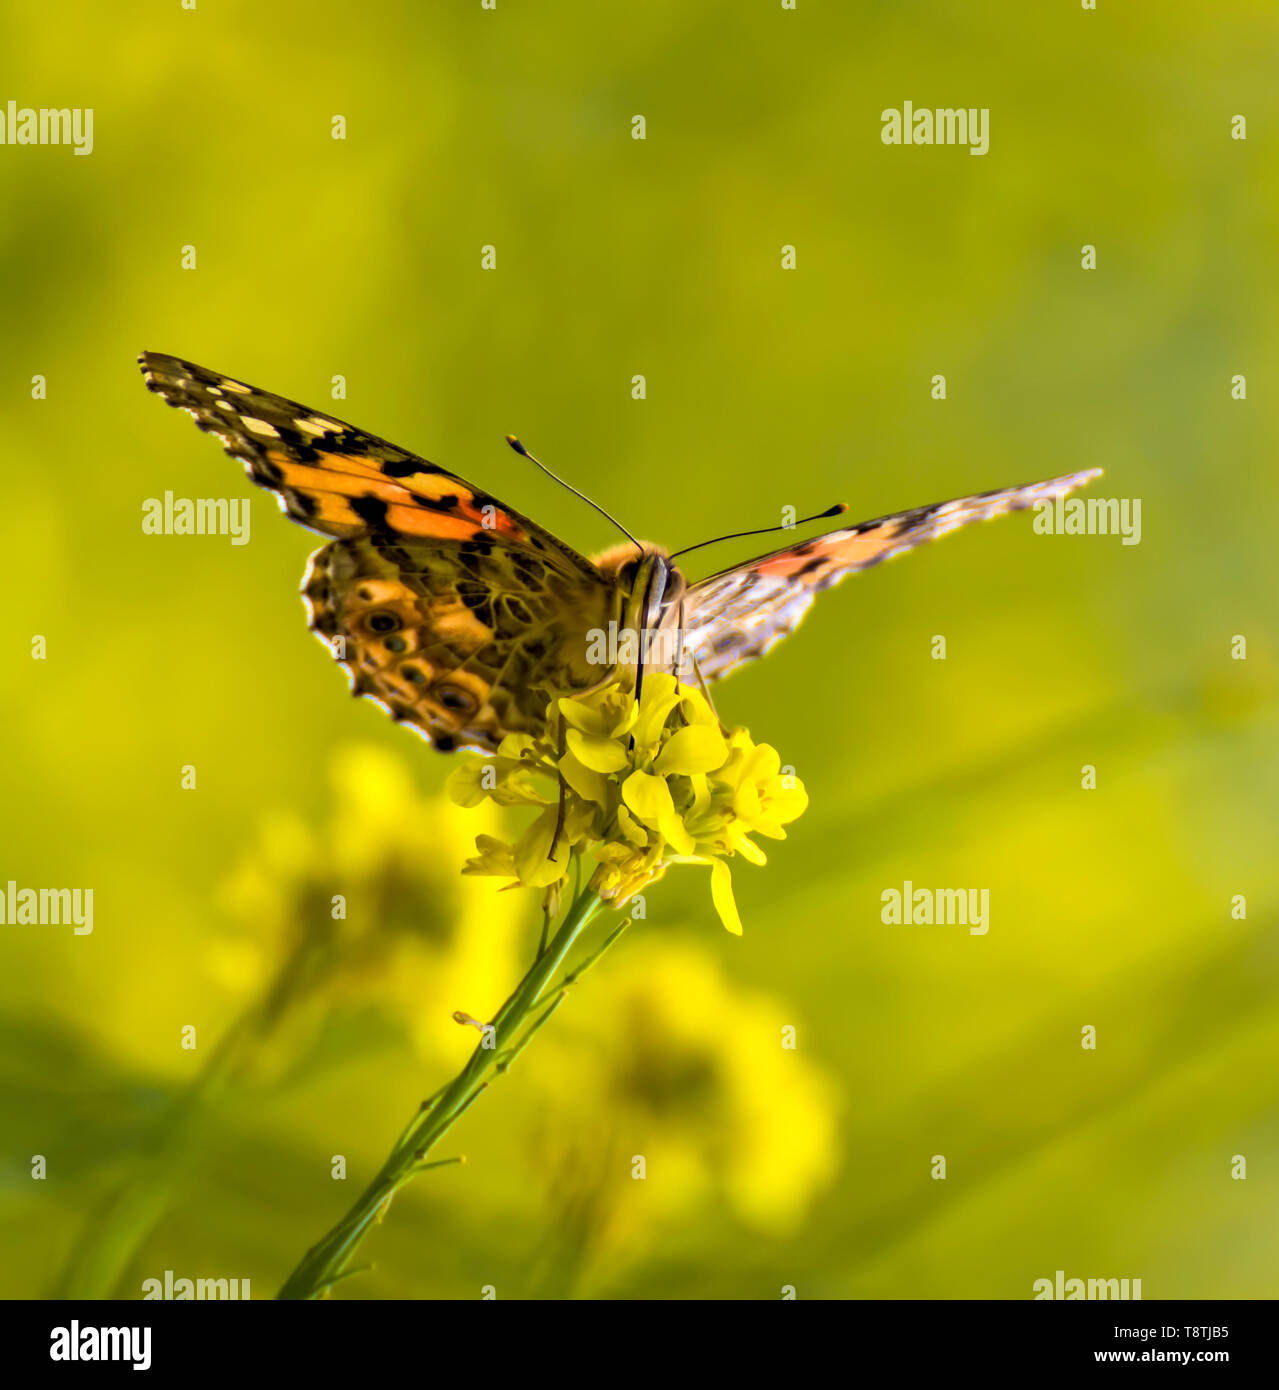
(364, 904)
(636, 785)
(639, 1066)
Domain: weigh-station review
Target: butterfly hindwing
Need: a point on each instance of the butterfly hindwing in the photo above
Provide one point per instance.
(452, 610)
(737, 615)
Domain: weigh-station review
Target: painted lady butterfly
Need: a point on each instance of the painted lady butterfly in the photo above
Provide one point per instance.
(462, 617)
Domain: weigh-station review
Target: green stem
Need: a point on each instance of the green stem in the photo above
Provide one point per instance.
(324, 1263)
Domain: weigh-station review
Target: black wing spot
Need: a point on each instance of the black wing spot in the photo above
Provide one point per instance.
(519, 611)
(479, 600)
(371, 510)
(529, 571)
(405, 467)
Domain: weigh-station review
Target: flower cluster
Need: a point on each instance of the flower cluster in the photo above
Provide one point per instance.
(636, 785)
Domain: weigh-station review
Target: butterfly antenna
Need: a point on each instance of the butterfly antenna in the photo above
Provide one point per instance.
(837, 510)
(520, 449)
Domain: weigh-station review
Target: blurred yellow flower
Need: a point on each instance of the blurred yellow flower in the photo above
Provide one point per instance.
(369, 908)
(637, 785)
(665, 1059)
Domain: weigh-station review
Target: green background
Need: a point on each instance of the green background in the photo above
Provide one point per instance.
(766, 388)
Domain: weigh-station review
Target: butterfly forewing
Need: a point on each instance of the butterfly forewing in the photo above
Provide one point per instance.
(458, 614)
(737, 615)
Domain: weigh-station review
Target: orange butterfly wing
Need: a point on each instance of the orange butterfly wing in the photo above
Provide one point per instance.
(456, 613)
(737, 615)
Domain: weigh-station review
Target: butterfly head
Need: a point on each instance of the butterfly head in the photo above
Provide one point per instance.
(650, 583)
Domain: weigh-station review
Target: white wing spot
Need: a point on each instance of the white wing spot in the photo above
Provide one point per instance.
(259, 426)
(316, 425)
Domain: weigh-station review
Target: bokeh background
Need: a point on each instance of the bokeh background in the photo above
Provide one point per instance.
(765, 388)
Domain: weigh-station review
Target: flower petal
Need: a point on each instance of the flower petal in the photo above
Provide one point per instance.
(674, 830)
(748, 849)
(786, 803)
(517, 746)
(596, 752)
(535, 868)
(697, 709)
(585, 781)
(463, 785)
(722, 896)
(648, 796)
(661, 695)
(697, 748)
(746, 802)
(577, 714)
(631, 828)
(494, 857)
(764, 763)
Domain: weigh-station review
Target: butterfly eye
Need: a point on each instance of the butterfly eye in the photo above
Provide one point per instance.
(382, 622)
(455, 700)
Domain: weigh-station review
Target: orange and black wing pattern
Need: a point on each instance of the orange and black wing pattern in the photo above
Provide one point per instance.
(334, 478)
(736, 616)
(453, 611)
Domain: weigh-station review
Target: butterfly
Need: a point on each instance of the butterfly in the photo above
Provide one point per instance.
(463, 618)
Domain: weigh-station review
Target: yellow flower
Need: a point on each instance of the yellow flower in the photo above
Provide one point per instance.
(638, 1065)
(363, 901)
(636, 785)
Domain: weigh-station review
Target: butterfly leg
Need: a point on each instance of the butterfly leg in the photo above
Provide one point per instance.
(705, 689)
(561, 747)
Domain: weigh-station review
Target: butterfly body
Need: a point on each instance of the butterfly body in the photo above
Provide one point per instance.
(464, 618)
